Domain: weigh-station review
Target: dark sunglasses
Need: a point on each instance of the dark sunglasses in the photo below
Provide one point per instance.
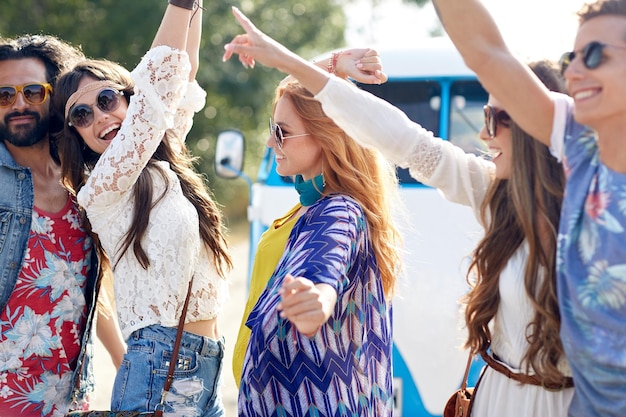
(592, 55)
(277, 134)
(35, 93)
(81, 115)
(494, 117)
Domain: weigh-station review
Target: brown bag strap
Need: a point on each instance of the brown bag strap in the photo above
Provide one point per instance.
(467, 369)
(173, 360)
(179, 335)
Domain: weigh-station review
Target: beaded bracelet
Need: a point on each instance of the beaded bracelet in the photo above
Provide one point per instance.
(332, 63)
(185, 4)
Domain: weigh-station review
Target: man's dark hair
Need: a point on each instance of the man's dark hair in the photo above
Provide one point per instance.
(57, 55)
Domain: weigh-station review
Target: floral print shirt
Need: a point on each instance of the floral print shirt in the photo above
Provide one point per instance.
(591, 269)
(44, 319)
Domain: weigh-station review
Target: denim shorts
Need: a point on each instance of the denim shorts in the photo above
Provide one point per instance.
(195, 391)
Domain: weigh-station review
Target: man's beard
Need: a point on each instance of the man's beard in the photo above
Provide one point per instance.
(25, 136)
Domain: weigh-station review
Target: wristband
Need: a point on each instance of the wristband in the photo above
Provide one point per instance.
(185, 4)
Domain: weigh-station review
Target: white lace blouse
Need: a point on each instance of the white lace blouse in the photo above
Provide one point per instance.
(163, 104)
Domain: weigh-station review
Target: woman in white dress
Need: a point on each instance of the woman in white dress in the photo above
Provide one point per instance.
(512, 312)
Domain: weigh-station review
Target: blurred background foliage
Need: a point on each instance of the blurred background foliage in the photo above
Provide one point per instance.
(418, 2)
(122, 30)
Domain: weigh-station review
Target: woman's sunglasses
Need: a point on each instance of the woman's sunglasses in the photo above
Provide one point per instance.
(592, 55)
(277, 134)
(493, 117)
(81, 115)
(35, 93)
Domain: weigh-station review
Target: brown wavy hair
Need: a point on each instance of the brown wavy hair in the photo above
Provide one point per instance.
(361, 173)
(77, 160)
(524, 208)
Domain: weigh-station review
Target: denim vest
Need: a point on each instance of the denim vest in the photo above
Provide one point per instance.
(16, 209)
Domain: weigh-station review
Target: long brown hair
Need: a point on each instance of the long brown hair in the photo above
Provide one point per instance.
(515, 211)
(362, 173)
(77, 160)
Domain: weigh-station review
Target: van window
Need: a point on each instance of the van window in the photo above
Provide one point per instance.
(421, 101)
(466, 116)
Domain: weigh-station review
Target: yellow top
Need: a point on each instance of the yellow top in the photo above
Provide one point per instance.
(269, 251)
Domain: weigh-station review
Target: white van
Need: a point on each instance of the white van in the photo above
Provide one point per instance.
(431, 84)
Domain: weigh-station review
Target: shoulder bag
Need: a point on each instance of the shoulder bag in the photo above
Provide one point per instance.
(158, 412)
(460, 403)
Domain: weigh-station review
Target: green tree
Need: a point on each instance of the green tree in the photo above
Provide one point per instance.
(122, 30)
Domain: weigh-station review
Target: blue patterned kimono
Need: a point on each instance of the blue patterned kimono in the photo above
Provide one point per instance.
(345, 368)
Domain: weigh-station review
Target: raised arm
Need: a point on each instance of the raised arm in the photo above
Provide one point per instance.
(254, 46)
(174, 28)
(478, 39)
(193, 39)
(195, 96)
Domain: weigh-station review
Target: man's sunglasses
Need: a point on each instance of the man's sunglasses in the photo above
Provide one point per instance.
(592, 55)
(493, 117)
(277, 134)
(81, 115)
(34, 93)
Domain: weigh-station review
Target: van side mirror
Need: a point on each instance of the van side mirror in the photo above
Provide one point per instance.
(229, 154)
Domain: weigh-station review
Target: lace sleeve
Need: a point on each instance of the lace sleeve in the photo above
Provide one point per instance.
(160, 83)
(193, 101)
(371, 121)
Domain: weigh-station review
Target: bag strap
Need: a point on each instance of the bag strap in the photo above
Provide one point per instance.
(179, 336)
(467, 368)
(170, 372)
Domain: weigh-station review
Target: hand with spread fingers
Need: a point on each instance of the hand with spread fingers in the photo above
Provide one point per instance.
(254, 45)
(362, 64)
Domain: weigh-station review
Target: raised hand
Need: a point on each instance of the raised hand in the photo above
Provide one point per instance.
(254, 46)
(361, 64)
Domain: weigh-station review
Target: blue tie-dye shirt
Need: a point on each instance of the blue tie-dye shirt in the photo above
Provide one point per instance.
(345, 368)
(591, 269)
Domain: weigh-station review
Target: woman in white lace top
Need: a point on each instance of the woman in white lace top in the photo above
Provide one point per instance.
(124, 156)
(512, 312)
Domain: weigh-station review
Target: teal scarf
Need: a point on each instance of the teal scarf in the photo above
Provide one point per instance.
(311, 190)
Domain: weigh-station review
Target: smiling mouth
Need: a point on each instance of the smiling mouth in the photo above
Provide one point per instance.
(491, 154)
(109, 133)
(584, 94)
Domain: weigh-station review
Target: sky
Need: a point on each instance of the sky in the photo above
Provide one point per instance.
(532, 28)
